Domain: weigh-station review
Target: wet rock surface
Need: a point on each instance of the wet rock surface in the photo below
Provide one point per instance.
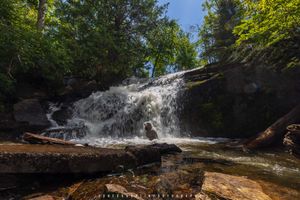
(226, 186)
(202, 172)
(27, 158)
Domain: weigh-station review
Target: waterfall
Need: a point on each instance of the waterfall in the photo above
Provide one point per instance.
(121, 111)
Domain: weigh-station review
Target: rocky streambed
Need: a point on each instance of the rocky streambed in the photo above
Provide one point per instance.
(204, 170)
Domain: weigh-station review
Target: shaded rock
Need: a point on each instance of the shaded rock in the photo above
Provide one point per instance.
(77, 88)
(165, 148)
(232, 187)
(61, 116)
(26, 90)
(9, 128)
(121, 192)
(144, 154)
(31, 112)
(229, 100)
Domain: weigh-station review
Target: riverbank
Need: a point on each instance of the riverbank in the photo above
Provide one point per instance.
(203, 169)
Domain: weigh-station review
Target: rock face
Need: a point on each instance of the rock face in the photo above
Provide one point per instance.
(292, 139)
(61, 116)
(225, 186)
(17, 159)
(235, 100)
(76, 89)
(31, 112)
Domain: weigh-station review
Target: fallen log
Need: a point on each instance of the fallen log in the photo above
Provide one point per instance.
(276, 131)
(38, 139)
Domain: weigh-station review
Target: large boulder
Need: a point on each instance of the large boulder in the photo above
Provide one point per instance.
(47, 159)
(62, 115)
(224, 186)
(31, 112)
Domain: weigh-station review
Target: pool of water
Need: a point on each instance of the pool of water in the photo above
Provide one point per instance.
(277, 171)
(222, 155)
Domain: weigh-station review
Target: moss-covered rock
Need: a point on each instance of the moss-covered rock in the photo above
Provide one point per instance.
(236, 100)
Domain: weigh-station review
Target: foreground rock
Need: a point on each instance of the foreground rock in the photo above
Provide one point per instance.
(119, 191)
(225, 186)
(27, 158)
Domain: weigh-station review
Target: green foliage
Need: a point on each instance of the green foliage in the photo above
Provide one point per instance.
(186, 55)
(24, 50)
(107, 38)
(102, 40)
(161, 44)
(215, 35)
(171, 49)
(269, 21)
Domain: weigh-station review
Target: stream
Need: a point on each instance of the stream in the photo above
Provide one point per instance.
(115, 118)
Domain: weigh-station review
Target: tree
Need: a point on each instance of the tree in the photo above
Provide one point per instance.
(107, 39)
(216, 35)
(161, 45)
(187, 54)
(41, 14)
(170, 49)
(268, 21)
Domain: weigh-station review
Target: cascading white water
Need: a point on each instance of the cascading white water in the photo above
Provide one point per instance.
(116, 116)
(121, 111)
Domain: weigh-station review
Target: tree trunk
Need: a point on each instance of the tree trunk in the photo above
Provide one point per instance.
(34, 139)
(154, 66)
(275, 131)
(41, 14)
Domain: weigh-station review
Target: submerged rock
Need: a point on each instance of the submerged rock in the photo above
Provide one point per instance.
(225, 186)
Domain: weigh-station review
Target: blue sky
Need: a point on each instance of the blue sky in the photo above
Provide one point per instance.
(187, 12)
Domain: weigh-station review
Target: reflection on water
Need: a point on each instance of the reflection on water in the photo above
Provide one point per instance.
(215, 154)
(276, 171)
